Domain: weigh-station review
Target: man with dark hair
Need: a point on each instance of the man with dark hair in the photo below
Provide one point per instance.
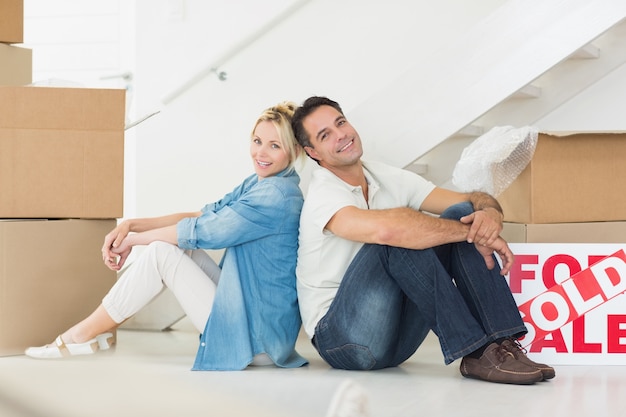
(385, 256)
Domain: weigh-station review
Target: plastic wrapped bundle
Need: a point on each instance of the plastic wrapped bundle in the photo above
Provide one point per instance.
(494, 160)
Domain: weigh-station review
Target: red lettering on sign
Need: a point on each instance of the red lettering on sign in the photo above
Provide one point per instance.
(517, 274)
(579, 344)
(553, 341)
(552, 262)
(584, 291)
(592, 259)
(616, 339)
(616, 332)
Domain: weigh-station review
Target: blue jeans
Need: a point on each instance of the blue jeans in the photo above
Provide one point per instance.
(391, 297)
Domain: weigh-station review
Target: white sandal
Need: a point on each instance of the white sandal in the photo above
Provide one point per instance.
(106, 340)
(60, 349)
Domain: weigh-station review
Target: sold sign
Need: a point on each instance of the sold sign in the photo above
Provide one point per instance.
(556, 287)
(574, 297)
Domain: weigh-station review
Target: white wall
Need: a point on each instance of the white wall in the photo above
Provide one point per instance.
(78, 42)
(195, 150)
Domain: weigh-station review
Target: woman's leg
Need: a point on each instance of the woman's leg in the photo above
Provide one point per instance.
(206, 263)
(160, 264)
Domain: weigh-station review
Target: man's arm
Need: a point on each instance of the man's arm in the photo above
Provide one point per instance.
(412, 229)
(486, 221)
(401, 227)
(440, 199)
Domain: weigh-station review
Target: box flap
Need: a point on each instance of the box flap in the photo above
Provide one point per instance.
(48, 108)
(563, 134)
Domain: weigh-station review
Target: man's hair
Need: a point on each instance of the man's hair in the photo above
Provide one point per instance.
(309, 106)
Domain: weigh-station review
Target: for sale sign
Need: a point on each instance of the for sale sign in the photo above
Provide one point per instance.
(571, 298)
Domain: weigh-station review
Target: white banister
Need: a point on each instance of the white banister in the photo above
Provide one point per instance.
(214, 67)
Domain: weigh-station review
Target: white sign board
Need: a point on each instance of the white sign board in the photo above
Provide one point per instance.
(571, 297)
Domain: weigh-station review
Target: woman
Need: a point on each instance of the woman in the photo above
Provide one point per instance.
(245, 308)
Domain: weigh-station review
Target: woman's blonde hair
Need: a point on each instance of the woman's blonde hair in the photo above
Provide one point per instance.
(280, 116)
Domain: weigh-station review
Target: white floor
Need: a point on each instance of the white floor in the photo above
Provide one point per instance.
(148, 374)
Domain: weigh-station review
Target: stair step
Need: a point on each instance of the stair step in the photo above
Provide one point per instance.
(588, 51)
(419, 168)
(529, 91)
(470, 131)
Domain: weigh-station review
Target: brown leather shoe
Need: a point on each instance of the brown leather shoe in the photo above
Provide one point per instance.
(499, 365)
(513, 346)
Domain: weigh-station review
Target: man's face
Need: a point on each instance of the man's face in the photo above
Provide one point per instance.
(335, 142)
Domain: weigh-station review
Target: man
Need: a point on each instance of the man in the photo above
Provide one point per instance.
(376, 270)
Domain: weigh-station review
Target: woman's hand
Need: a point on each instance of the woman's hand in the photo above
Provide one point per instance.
(121, 253)
(115, 236)
(112, 241)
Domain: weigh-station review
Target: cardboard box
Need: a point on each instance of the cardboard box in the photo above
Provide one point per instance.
(593, 232)
(61, 152)
(575, 177)
(52, 276)
(16, 65)
(12, 21)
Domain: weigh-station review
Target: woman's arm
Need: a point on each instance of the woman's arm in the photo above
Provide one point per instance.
(156, 225)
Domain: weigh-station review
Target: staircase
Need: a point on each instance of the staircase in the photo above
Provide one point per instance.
(416, 101)
(520, 63)
(528, 105)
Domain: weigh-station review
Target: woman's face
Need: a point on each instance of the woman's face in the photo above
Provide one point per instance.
(267, 152)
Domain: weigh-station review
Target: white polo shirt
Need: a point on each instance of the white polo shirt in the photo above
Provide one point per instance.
(323, 258)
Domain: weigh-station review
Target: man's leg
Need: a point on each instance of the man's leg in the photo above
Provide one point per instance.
(390, 296)
(480, 287)
(486, 292)
(371, 324)
(425, 281)
(361, 328)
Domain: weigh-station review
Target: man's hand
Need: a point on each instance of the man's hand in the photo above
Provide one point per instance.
(485, 226)
(502, 249)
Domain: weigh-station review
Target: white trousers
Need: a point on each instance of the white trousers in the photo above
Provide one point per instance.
(192, 276)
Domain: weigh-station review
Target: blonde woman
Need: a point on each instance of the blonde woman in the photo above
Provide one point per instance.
(246, 307)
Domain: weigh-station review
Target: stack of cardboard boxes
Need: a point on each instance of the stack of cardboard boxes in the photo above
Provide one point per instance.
(15, 62)
(61, 191)
(566, 211)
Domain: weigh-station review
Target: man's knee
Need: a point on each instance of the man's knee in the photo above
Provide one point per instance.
(456, 211)
(351, 357)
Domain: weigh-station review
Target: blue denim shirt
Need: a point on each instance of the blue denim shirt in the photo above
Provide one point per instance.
(256, 306)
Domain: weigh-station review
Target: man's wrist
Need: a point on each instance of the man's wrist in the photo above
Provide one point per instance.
(497, 210)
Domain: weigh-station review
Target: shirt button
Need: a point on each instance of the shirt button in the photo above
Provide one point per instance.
(203, 344)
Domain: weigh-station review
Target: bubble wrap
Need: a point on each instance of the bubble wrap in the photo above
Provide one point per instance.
(494, 160)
